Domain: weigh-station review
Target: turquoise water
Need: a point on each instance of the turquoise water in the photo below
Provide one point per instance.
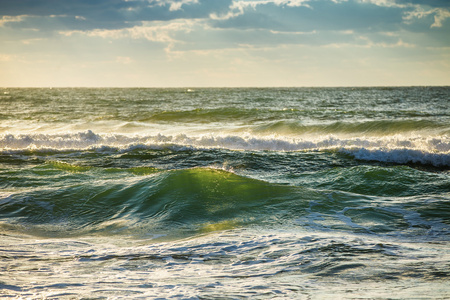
(293, 193)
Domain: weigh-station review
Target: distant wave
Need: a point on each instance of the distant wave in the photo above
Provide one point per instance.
(396, 148)
(380, 127)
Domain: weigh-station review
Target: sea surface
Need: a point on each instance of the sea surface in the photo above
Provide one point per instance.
(228, 193)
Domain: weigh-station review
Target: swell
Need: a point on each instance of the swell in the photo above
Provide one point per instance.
(166, 202)
(295, 117)
(201, 115)
(182, 203)
(373, 127)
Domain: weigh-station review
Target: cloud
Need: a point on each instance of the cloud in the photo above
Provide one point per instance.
(440, 16)
(124, 60)
(327, 19)
(313, 15)
(247, 37)
(265, 23)
(10, 19)
(177, 5)
(155, 31)
(106, 14)
(6, 57)
(432, 3)
(276, 15)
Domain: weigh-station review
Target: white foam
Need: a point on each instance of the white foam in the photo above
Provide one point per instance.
(401, 156)
(399, 148)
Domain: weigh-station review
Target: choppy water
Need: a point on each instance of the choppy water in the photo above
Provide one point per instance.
(302, 193)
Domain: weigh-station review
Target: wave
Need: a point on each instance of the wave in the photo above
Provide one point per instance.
(201, 115)
(377, 127)
(429, 150)
(181, 203)
(191, 200)
(401, 156)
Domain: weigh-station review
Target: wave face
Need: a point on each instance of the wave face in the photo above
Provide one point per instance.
(191, 199)
(225, 193)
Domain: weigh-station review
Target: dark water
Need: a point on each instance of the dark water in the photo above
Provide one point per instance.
(225, 193)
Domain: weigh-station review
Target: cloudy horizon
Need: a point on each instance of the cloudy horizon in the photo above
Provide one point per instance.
(224, 43)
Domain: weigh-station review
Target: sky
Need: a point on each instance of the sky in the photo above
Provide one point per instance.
(224, 43)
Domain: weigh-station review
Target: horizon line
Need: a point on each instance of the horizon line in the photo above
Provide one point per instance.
(219, 87)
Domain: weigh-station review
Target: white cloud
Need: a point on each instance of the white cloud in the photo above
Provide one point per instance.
(124, 60)
(236, 9)
(155, 31)
(175, 5)
(6, 57)
(31, 41)
(367, 43)
(440, 15)
(386, 3)
(11, 19)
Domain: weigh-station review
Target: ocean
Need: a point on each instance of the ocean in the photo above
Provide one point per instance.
(225, 193)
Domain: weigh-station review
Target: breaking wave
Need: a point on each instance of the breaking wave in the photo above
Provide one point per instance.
(396, 148)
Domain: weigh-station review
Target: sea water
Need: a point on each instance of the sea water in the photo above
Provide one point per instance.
(289, 193)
